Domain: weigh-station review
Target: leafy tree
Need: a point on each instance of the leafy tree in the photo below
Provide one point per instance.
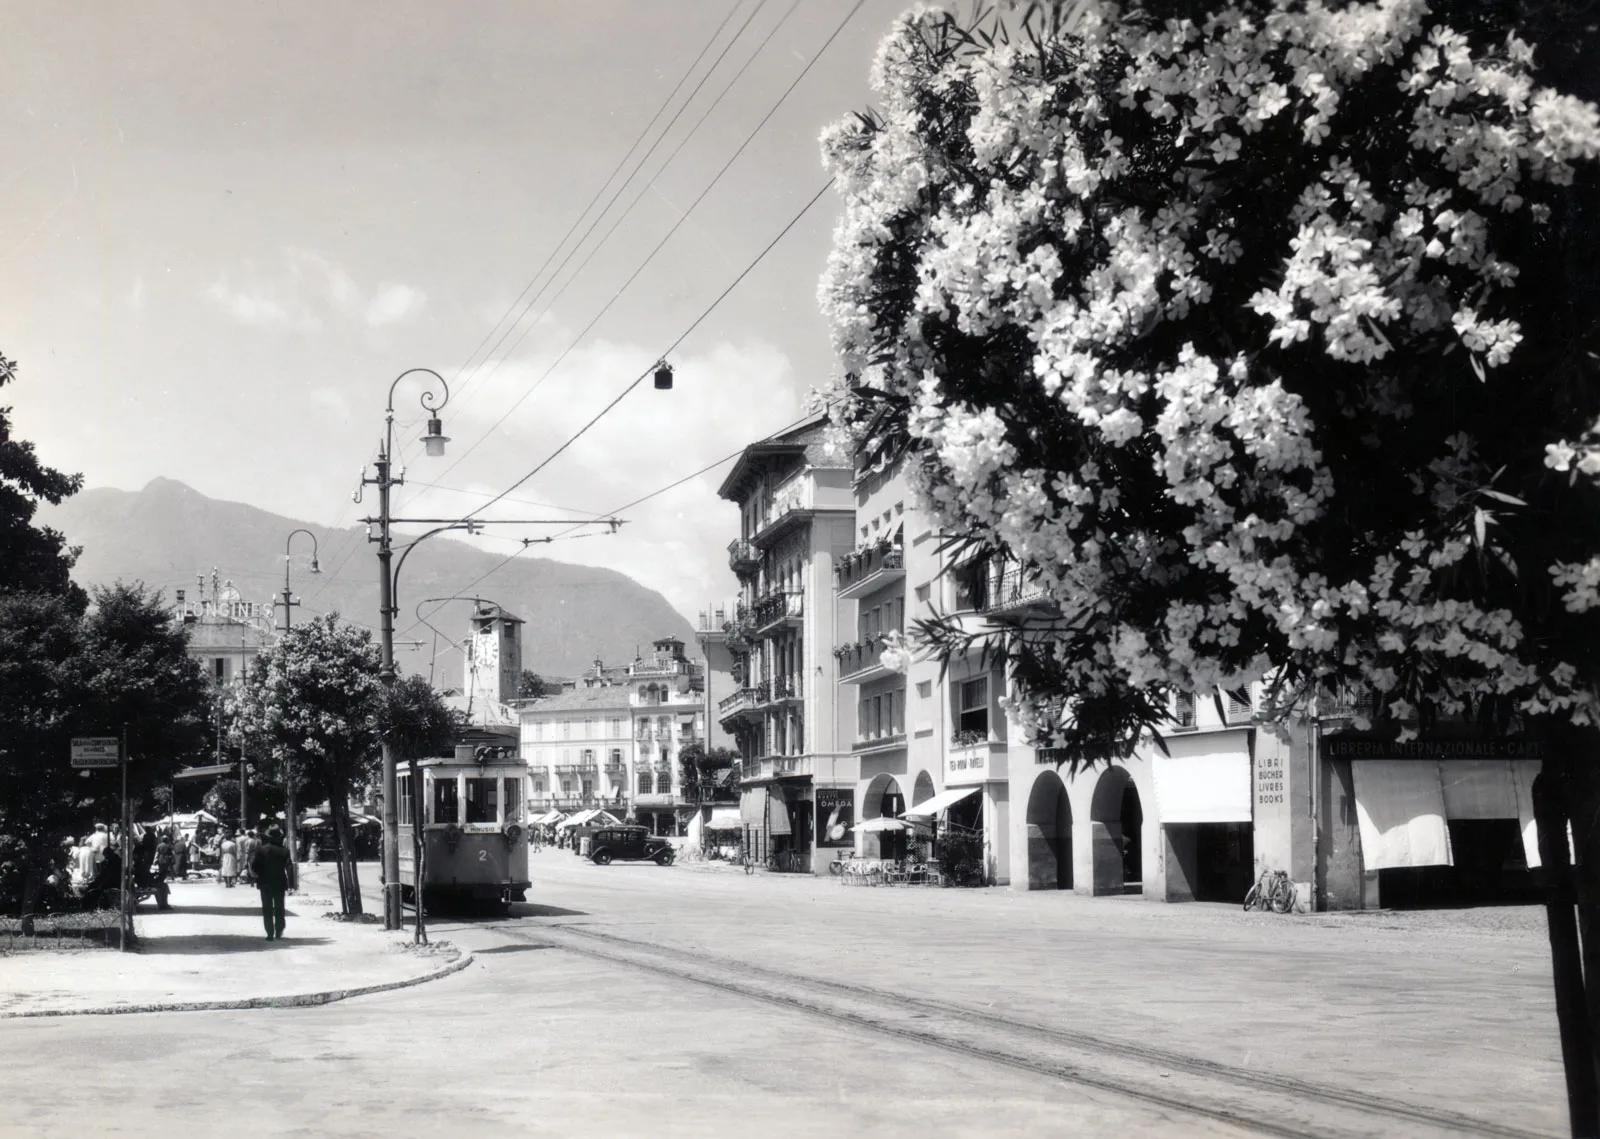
(700, 765)
(529, 684)
(32, 558)
(316, 698)
(222, 800)
(417, 723)
(63, 674)
(1264, 337)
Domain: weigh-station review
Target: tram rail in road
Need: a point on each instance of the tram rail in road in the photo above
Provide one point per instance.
(1263, 1102)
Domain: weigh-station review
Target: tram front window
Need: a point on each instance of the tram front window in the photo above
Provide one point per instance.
(482, 801)
(444, 801)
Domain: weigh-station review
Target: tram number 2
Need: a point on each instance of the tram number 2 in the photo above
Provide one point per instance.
(483, 855)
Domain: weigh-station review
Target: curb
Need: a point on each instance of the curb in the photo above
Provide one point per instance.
(294, 1000)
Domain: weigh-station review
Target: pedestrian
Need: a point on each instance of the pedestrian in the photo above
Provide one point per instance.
(228, 860)
(180, 856)
(164, 858)
(247, 851)
(270, 867)
(84, 863)
(99, 842)
(316, 852)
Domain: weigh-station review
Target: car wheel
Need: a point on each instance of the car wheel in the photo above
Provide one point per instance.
(602, 858)
(664, 858)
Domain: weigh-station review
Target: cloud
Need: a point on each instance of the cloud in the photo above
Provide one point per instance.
(393, 304)
(136, 295)
(310, 291)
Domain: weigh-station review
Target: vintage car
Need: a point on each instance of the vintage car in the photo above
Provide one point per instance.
(631, 844)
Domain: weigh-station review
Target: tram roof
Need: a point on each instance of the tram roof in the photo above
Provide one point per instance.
(436, 761)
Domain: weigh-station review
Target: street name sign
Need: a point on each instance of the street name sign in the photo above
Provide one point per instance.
(95, 751)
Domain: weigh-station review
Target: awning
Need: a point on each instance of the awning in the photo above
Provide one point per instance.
(777, 815)
(1205, 779)
(1522, 773)
(580, 818)
(725, 819)
(212, 769)
(940, 802)
(1400, 813)
(753, 805)
(881, 823)
(550, 816)
(1479, 788)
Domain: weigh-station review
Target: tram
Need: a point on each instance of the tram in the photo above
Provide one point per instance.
(475, 839)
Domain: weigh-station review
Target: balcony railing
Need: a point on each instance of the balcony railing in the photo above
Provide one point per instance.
(879, 741)
(743, 558)
(778, 607)
(862, 571)
(790, 500)
(740, 628)
(777, 690)
(740, 700)
(1011, 588)
(861, 660)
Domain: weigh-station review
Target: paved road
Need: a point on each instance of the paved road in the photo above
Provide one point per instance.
(636, 1000)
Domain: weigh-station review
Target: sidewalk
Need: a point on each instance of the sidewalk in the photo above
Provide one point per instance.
(210, 951)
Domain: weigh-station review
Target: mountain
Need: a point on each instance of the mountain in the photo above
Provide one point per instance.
(167, 533)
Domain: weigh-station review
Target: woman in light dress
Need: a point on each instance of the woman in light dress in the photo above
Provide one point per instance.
(229, 850)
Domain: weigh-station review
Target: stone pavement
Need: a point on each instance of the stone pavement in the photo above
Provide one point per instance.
(210, 951)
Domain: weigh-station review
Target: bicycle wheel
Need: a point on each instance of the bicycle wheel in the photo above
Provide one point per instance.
(836, 868)
(1251, 898)
(1283, 896)
(749, 865)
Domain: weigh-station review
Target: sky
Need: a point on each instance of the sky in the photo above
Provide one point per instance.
(225, 229)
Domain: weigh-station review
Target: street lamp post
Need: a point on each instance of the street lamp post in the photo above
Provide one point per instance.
(290, 806)
(434, 440)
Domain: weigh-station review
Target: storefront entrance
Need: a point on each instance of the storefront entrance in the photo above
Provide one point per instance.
(1049, 835)
(1209, 862)
(1117, 821)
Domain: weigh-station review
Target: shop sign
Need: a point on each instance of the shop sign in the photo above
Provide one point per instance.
(1433, 747)
(836, 810)
(96, 751)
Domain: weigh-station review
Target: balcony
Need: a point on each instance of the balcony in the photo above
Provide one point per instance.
(793, 502)
(861, 661)
(657, 799)
(1011, 590)
(776, 610)
(1346, 702)
(879, 741)
(864, 571)
(740, 702)
(743, 558)
(770, 767)
(777, 691)
(740, 628)
(575, 768)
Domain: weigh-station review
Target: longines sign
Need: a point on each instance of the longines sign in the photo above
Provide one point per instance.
(1433, 748)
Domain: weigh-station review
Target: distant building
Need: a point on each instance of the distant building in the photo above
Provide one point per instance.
(614, 739)
(226, 632)
(492, 668)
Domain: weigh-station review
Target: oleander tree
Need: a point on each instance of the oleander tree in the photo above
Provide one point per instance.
(1264, 336)
(417, 723)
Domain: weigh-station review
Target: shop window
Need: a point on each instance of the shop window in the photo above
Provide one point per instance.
(483, 800)
(972, 712)
(445, 802)
(646, 783)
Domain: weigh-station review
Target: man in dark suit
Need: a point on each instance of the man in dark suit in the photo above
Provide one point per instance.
(270, 867)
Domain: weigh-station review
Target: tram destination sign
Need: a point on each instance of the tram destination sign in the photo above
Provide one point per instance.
(95, 751)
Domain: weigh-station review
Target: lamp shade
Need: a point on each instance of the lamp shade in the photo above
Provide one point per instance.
(663, 377)
(435, 439)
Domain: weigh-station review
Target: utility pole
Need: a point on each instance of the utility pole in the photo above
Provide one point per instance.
(290, 807)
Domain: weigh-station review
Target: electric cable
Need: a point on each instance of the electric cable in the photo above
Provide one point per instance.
(668, 237)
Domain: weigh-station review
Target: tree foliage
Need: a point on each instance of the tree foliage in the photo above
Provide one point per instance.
(64, 673)
(315, 698)
(32, 558)
(1262, 336)
(530, 684)
(416, 721)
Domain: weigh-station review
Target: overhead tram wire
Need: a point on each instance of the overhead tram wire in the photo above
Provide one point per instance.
(467, 390)
(684, 335)
(669, 235)
(626, 211)
(565, 534)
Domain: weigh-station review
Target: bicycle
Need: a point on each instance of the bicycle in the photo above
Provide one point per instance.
(1272, 891)
(747, 862)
